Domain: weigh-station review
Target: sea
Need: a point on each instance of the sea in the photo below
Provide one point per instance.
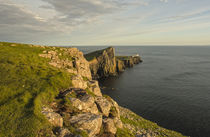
(171, 87)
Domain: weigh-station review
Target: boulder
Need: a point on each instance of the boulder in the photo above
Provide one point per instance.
(88, 122)
(94, 87)
(63, 132)
(103, 105)
(78, 82)
(85, 103)
(54, 118)
(118, 123)
(116, 106)
(109, 126)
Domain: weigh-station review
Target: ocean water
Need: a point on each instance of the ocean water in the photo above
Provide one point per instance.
(171, 87)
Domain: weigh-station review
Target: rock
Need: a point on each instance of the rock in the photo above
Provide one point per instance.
(63, 132)
(109, 126)
(94, 87)
(104, 63)
(85, 103)
(120, 66)
(118, 123)
(88, 122)
(89, 104)
(54, 118)
(78, 82)
(107, 135)
(73, 61)
(116, 106)
(104, 105)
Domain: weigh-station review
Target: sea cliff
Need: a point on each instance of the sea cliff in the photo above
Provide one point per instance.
(104, 63)
(50, 91)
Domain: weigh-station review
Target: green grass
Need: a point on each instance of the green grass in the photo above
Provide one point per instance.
(124, 133)
(142, 123)
(123, 57)
(27, 82)
(93, 55)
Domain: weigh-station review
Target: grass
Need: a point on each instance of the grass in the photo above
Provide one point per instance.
(124, 133)
(93, 55)
(123, 57)
(142, 123)
(27, 82)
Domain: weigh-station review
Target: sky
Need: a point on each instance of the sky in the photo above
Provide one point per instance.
(105, 22)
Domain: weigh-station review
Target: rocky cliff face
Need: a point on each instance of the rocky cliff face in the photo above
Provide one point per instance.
(82, 107)
(104, 63)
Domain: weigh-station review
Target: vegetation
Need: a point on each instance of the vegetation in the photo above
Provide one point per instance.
(141, 123)
(93, 55)
(123, 57)
(27, 82)
(124, 133)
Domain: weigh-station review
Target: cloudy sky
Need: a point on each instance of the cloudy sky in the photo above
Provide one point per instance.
(106, 22)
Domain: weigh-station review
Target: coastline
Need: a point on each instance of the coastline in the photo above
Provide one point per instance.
(82, 110)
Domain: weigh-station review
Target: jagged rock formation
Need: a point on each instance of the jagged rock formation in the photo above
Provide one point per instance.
(83, 107)
(104, 63)
(70, 59)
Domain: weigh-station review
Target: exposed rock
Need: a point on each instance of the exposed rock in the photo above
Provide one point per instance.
(118, 123)
(88, 122)
(85, 103)
(78, 82)
(104, 63)
(129, 61)
(63, 132)
(74, 61)
(54, 118)
(116, 107)
(104, 105)
(120, 66)
(109, 126)
(107, 135)
(94, 87)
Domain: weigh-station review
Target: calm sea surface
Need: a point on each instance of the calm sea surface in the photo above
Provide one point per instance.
(171, 87)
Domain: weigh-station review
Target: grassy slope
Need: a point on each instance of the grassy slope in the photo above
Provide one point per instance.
(26, 82)
(93, 55)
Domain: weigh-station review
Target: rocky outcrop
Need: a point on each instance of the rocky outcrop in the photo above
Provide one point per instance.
(88, 122)
(104, 63)
(94, 87)
(78, 82)
(70, 59)
(129, 61)
(54, 118)
(109, 126)
(104, 105)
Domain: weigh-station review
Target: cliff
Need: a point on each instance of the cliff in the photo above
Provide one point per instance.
(49, 91)
(104, 63)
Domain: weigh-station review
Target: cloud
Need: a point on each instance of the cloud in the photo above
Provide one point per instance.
(76, 12)
(18, 24)
(165, 1)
